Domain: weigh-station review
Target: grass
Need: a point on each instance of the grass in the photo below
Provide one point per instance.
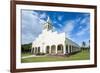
(83, 55)
(25, 54)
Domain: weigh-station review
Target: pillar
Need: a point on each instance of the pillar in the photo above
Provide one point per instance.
(50, 50)
(32, 50)
(35, 50)
(71, 49)
(64, 49)
(56, 49)
(68, 48)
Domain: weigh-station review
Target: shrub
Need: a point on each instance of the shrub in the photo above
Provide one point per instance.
(40, 54)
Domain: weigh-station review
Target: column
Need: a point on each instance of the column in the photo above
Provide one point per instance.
(68, 48)
(75, 48)
(35, 50)
(56, 49)
(50, 50)
(71, 49)
(44, 49)
(32, 50)
(64, 49)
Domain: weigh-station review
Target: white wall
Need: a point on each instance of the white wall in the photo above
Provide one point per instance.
(5, 36)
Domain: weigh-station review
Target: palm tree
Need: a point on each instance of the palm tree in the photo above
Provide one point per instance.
(83, 45)
(89, 46)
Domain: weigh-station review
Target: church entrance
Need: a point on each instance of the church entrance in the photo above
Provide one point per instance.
(53, 49)
(60, 49)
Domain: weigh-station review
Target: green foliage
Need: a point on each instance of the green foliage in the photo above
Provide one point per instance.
(26, 48)
(83, 44)
(25, 54)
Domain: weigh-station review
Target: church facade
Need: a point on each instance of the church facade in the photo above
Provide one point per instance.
(52, 42)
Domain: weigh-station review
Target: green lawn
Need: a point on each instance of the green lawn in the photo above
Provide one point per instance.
(83, 55)
(25, 54)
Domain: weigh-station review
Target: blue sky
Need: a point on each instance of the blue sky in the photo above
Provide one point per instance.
(76, 25)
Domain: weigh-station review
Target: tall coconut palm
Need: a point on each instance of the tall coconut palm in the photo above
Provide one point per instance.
(83, 45)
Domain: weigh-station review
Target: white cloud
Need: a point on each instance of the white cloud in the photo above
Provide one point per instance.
(54, 22)
(60, 18)
(43, 15)
(69, 26)
(31, 26)
(83, 31)
(86, 22)
(60, 25)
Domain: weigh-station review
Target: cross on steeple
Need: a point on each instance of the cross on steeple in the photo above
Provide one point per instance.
(48, 19)
(48, 26)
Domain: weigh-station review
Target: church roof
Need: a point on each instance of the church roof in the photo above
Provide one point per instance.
(71, 42)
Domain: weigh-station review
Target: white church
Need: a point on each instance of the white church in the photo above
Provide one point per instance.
(53, 43)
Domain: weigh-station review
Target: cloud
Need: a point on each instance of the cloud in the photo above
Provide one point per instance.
(43, 15)
(60, 18)
(60, 25)
(85, 21)
(77, 29)
(83, 31)
(68, 27)
(31, 25)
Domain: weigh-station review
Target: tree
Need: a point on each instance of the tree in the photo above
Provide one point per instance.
(25, 48)
(89, 45)
(83, 45)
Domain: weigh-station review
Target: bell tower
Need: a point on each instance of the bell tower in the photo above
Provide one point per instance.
(47, 25)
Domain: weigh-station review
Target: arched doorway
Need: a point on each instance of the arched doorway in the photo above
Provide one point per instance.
(47, 49)
(60, 49)
(53, 49)
(38, 50)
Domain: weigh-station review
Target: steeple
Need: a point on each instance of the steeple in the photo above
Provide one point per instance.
(48, 25)
(48, 19)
